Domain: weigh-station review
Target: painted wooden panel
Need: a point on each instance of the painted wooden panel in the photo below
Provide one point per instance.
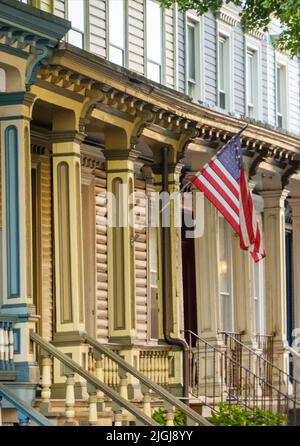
(12, 211)
(210, 59)
(101, 258)
(97, 24)
(136, 35)
(294, 96)
(140, 248)
(264, 68)
(44, 250)
(181, 58)
(59, 8)
(271, 83)
(65, 280)
(169, 46)
(46, 5)
(239, 71)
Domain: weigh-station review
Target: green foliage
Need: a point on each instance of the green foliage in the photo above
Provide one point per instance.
(160, 416)
(256, 15)
(233, 415)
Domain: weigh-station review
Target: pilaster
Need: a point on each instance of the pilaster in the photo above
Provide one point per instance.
(70, 314)
(275, 272)
(16, 292)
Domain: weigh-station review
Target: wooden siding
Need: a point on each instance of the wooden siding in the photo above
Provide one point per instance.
(210, 59)
(97, 27)
(101, 258)
(169, 46)
(140, 250)
(239, 71)
(136, 35)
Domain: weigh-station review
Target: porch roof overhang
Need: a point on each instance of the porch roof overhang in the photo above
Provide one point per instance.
(79, 71)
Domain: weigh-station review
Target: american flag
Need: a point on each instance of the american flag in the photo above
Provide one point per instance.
(223, 182)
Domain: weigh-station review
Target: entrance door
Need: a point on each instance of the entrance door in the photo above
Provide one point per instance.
(189, 282)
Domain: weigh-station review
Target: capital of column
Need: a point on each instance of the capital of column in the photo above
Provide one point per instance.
(67, 136)
(274, 198)
(121, 154)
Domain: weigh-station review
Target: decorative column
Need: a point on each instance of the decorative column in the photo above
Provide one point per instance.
(295, 205)
(121, 259)
(275, 272)
(68, 250)
(120, 233)
(16, 258)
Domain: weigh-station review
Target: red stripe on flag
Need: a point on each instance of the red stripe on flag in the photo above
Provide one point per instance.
(246, 202)
(223, 194)
(224, 179)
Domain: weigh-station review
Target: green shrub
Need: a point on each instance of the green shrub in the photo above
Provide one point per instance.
(160, 416)
(233, 415)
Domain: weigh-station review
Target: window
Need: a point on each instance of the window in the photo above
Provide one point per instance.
(223, 71)
(281, 95)
(193, 55)
(250, 79)
(116, 31)
(76, 15)
(225, 275)
(259, 313)
(154, 41)
(2, 80)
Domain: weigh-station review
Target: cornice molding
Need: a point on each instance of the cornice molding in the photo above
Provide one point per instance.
(29, 33)
(164, 110)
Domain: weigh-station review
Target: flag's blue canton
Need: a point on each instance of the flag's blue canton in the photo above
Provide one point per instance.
(231, 157)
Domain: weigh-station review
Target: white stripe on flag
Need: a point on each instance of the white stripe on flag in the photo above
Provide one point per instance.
(219, 198)
(221, 183)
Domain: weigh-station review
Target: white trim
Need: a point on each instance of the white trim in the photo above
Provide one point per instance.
(163, 46)
(255, 46)
(226, 31)
(175, 28)
(108, 44)
(283, 61)
(228, 246)
(197, 22)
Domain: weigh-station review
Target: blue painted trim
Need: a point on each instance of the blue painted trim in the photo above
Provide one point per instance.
(17, 340)
(12, 212)
(14, 118)
(13, 98)
(14, 51)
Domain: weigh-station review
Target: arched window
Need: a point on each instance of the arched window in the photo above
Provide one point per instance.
(2, 80)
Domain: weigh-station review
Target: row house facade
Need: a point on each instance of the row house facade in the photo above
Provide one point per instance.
(101, 323)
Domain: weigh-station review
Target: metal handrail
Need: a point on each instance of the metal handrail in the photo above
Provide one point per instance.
(247, 371)
(23, 407)
(167, 396)
(261, 358)
(293, 351)
(91, 379)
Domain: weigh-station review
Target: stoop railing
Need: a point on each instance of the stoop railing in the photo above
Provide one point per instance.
(25, 412)
(124, 411)
(149, 387)
(94, 385)
(223, 374)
